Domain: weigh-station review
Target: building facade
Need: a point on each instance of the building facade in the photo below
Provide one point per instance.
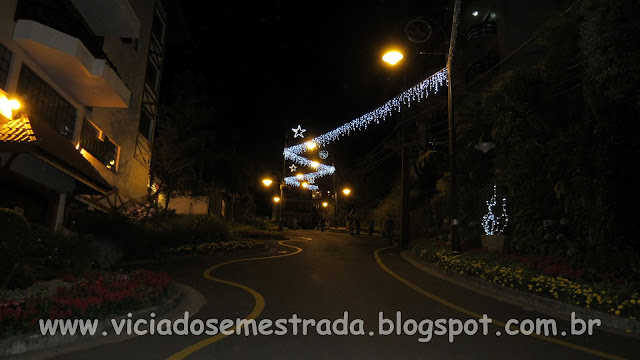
(86, 74)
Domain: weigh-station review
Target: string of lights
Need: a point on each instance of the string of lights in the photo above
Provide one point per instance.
(495, 224)
(418, 92)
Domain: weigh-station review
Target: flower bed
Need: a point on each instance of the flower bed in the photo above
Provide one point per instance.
(541, 277)
(93, 295)
(216, 247)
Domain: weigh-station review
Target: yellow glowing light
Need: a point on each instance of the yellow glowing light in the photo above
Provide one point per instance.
(346, 191)
(112, 162)
(276, 199)
(325, 204)
(267, 182)
(299, 176)
(392, 57)
(314, 164)
(310, 145)
(78, 146)
(304, 185)
(7, 106)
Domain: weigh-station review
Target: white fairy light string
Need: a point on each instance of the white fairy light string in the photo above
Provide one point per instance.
(420, 91)
(492, 223)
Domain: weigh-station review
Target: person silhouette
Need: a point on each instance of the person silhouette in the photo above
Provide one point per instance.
(388, 228)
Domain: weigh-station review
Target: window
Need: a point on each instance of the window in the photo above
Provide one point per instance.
(45, 104)
(99, 145)
(152, 76)
(146, 125)
(5, 62)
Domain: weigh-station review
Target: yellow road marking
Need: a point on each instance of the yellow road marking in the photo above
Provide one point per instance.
(259, 299)
(458, 308)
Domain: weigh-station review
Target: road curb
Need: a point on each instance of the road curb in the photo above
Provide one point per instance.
(610, 323)
(43, 346)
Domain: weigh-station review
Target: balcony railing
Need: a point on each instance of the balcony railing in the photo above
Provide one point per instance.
(475, 31)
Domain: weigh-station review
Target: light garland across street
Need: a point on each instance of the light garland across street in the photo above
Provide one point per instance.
(420, 91)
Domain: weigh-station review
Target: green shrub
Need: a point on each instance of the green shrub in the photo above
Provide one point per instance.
(33, 252)
(15, 227)
(15, 244)
(191, 229)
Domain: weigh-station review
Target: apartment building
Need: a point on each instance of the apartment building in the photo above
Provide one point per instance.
(86, 74)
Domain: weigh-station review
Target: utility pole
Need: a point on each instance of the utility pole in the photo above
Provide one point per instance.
(335, 194)
(405, 210)
(284, 164)
(453, 196)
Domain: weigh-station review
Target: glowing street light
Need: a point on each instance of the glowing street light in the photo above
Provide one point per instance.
(276, 199)
(325, 204)
(314, 164)
(392, 57)
(267, 182)
(304, 185)
(310, 145)
(346, 191)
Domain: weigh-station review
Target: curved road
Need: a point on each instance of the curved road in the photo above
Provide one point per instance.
(321, 275)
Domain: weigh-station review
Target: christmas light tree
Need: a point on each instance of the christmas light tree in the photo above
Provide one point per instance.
(494, 224)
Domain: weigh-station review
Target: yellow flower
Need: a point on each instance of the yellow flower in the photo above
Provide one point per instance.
(620, 307)
(633, 301)
(617, 312)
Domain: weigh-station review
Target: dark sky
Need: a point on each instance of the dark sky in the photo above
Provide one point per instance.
(272, 65)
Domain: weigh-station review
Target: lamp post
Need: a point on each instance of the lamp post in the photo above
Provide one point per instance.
(393, 57)
(453, 219)
(278, 200)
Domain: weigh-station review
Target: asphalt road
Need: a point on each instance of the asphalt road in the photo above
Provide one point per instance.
(322, 275)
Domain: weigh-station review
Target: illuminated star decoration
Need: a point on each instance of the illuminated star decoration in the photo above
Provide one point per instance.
(298, 132)
(293, 167)
(323, 154)
(418, 92)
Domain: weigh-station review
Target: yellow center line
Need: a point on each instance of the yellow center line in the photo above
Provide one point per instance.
(473, 314)
(259, 299)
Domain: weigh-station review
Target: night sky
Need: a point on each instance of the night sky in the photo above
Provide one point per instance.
(271, 65)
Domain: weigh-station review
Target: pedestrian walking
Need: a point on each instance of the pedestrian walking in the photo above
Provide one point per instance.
(388, 228)
(350, 220)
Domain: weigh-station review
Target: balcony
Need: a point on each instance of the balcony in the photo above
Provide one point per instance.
(110, 17)
(89, 80)
(475, 31)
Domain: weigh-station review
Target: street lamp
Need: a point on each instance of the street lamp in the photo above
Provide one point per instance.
(346, 191)
(393, 58)
(267, 182)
